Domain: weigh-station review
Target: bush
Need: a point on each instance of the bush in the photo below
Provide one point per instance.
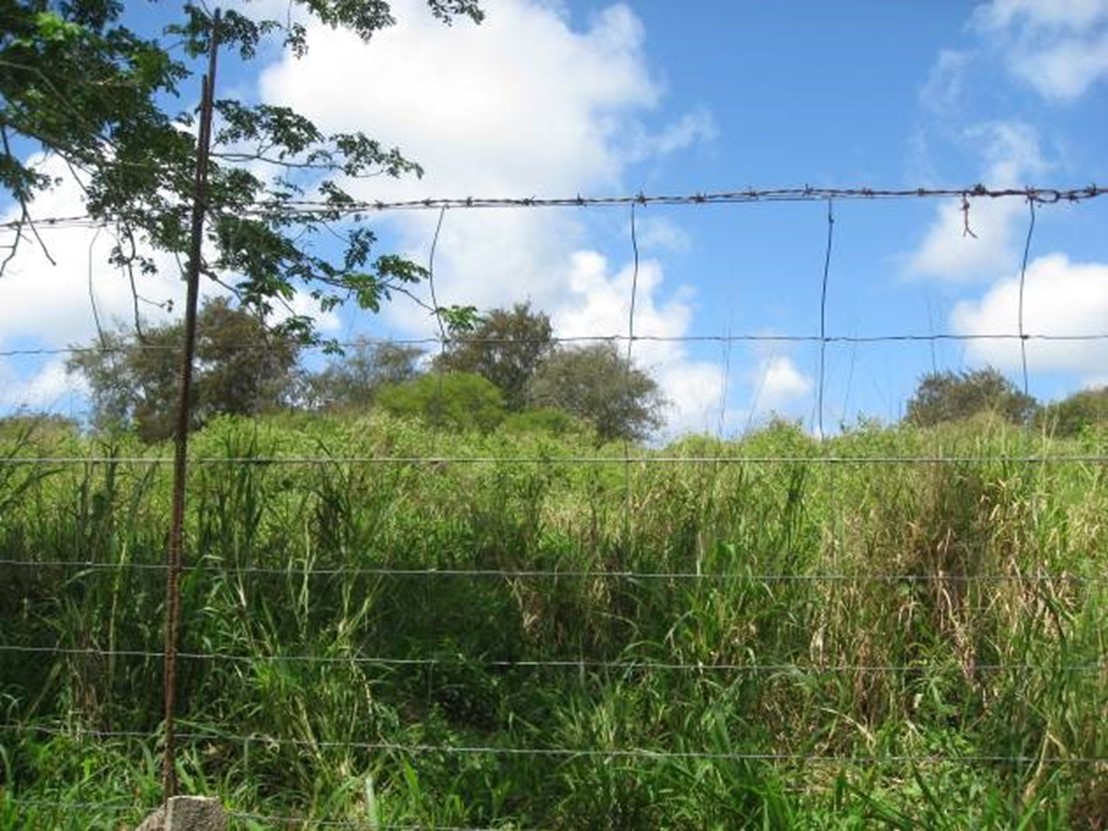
(1080, 412)
(956, 396)
(460, 401)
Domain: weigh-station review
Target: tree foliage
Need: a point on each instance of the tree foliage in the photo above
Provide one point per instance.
(1079, 412)
(78, 84)
(506, 347)
(951, 396)
(461, 401)
(598, 385)
(243, 368)
(353, 380)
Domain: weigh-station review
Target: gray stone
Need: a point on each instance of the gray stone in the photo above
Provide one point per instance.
(154, 822)
(187, 813)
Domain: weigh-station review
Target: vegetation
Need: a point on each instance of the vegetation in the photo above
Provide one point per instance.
(509, 364)
(955, 396)
(243, 368)
(562, 644)
(538, 633)
(1079, 412)
(352, 381)
(601, 387)
(507, 348)
(80, 86)
(458, 401)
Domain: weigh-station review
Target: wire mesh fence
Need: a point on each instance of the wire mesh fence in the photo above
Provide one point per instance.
(388, 623)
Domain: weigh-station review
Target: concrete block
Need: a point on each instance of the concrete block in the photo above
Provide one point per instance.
(187, 813)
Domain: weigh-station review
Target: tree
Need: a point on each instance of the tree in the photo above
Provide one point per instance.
(78, 84)
(24, 424)
(1077, 413)
(598, 385)
(950, 396)
(353, 380)
(243, 368)
(460, 401)
(506, 347)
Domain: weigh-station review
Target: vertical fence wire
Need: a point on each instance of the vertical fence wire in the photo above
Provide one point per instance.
(628, 370)
(1023, 282)
(823, 313)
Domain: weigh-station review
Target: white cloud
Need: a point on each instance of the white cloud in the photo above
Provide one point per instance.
(777, 386)
(51, 302)
(521, 102)
(661, 234)
(686, 131)
(942, 91)
(1061, 298)
(990, 247)
(43, 391)
(1056, 15)
(522, 105)
(598, 304)
(782, 383)
(1059, 48)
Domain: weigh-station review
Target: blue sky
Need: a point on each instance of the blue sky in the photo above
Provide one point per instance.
(560, 98)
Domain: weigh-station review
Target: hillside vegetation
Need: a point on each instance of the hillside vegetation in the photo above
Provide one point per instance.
(403, 627)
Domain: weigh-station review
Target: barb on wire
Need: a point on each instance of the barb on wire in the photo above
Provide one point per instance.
(966, 230)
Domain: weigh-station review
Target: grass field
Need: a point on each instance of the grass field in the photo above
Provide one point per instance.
(769, 633)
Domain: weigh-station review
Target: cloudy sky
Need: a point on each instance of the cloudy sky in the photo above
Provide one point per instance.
(555, 99)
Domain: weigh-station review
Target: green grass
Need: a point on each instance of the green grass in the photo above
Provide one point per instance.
(929, 650)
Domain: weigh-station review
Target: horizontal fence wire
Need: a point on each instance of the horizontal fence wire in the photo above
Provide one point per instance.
(638, 753)
(585, 339)
(806, 193)
(569, 664)
(553, 461)
(555, 574)
(1045, 195)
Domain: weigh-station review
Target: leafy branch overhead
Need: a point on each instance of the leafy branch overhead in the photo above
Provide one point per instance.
(79, 84)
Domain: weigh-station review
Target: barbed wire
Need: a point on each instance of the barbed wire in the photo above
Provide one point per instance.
(806, 193)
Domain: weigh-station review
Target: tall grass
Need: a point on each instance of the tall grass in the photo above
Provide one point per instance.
(756, 637)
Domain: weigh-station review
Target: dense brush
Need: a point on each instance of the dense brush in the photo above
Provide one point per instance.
(770, 632)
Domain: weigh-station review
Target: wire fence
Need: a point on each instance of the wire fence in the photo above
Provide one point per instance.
(883, 608)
